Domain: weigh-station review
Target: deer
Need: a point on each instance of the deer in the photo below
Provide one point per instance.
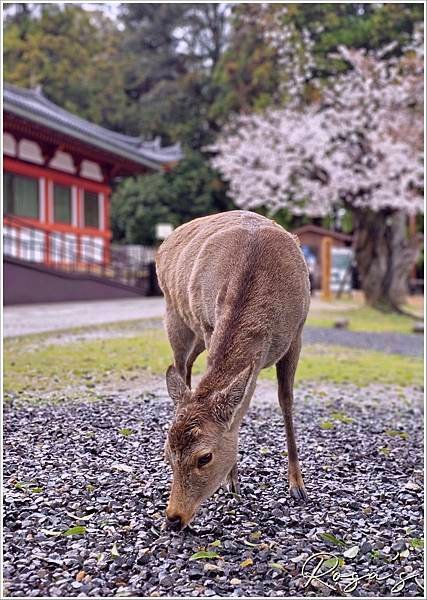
(236, 284)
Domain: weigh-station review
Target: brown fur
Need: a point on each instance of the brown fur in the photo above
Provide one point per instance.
(236, 284)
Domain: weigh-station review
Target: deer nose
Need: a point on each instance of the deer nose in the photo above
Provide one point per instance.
(174, 523)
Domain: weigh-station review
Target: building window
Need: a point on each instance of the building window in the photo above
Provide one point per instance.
(61, 203)
(21, 195)
(91, 209)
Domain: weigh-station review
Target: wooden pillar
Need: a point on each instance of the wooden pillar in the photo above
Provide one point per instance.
(107, 241)
(48, 217)
(326, 248)
(80, 224)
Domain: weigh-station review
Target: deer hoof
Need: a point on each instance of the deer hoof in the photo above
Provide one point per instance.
(234, 487)
(298, 493)
(231, 487)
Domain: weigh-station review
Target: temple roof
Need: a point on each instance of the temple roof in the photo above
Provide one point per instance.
(30, 104)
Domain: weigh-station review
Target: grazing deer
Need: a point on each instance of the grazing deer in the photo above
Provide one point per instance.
(236, 284)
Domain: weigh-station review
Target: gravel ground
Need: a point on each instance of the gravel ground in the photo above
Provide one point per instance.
(100, 466)
(409, 344)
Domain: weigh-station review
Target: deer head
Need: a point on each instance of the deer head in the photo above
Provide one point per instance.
(202, 442)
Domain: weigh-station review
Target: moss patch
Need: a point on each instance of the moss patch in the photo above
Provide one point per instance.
(339, 364)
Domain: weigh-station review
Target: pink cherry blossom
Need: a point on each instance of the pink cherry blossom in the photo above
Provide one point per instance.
(360, 146)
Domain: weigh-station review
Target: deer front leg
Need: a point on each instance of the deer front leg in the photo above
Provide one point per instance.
(285, 369)
(233, 480)
(196, 349)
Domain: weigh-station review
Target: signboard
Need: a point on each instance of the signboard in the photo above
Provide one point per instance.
(163, 230)
(341, 270)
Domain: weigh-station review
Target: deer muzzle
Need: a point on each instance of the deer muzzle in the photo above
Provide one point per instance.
(174, 523)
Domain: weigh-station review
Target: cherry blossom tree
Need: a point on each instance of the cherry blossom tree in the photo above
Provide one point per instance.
(359, 147)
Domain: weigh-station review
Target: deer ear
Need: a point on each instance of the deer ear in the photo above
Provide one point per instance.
(231, 399)
(176, 385)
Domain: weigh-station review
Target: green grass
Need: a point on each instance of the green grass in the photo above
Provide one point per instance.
(88, 364)
(364, 318)
(349, 365)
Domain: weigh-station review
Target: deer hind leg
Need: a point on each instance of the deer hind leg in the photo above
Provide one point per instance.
(181, 338)
(285, 369)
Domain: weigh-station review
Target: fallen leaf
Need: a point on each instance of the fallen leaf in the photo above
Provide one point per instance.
(339, 416)
(82, 518)
(77, 530)
(299, 558)
(250, 544)
(396, 433)
(417, 543)
(351, 552)
(114, 551)
(120, 467)
(204, 554)
(51, 532)
(80, 575)
(333, 562)
(211, 567)
(247, 563)
(126, 431)
(20, 485)
(412, 486)
(329, 537)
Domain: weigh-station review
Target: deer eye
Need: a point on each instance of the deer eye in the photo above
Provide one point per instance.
(204, 460)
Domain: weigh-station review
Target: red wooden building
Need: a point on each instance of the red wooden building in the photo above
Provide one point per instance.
(58, 171)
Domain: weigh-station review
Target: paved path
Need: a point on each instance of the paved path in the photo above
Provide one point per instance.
(407, 344)
(37, 318)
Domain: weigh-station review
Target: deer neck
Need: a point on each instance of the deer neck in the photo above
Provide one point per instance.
(237, 341)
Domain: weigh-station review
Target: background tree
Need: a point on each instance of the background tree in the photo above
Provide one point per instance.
(73, 55)
(193, 189)
(250, 72)
(361, 148)
(171, 51)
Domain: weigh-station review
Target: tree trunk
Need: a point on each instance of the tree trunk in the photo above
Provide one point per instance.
(384, 256)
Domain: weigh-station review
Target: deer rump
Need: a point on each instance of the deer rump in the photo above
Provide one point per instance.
(239, 283)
